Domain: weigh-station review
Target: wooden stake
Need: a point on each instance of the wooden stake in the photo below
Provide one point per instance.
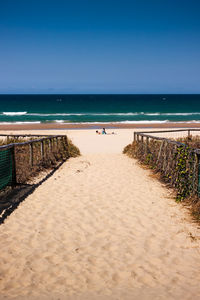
(42, 149)
(31, 154)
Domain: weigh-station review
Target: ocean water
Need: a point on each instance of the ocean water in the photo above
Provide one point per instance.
(99, 108)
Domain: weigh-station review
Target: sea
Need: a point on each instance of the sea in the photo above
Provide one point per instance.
(127, 109)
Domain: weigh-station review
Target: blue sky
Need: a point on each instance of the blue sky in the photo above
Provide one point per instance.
(100, 46)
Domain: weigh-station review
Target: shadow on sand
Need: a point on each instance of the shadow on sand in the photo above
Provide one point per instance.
(10, 199)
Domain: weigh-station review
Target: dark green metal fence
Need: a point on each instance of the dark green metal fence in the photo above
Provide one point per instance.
(6, 167)
(11, 165)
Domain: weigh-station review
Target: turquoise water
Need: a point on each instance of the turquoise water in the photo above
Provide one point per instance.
(99, 108)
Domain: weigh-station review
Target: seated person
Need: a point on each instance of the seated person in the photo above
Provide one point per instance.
(104, 131)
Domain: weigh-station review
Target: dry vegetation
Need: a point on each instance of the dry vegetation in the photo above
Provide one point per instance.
(192, 141)
(11, 140)
(49, 159)
(53, 154)
(176, 165)
(73, 151)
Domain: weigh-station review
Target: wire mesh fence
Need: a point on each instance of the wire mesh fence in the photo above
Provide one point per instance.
(6, 167)
(21, 161)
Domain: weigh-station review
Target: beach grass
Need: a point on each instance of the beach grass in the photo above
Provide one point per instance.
(176, 168)
(73, 150)
(51, 158)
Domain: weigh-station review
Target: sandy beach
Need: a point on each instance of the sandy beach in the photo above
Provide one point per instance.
(57, 126)
(100, 228)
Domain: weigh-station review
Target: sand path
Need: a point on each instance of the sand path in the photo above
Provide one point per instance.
(100, 228)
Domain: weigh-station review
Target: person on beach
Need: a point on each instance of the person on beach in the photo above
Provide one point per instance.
(104, 131)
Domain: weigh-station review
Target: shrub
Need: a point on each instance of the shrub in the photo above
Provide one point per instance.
(176, 164)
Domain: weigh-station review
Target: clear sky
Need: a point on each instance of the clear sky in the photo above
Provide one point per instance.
(100, 46)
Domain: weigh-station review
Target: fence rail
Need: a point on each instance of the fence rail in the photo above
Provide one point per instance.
(147, 133)
(20, 160)
(176, 161)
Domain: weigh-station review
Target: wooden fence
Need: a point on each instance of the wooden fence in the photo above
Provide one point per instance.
(31, 156)
(178, 163)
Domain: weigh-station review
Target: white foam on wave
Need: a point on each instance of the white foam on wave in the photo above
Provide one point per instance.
(100, 114)
(171, 114)
(14, 113)
(124, 122)
(143, 114)
(92, 114)
(114, 114)
(151, 114)
(137, 122)
(110, 122)
(54, 115)
(8, 123)
(181, 114)
(145, 122)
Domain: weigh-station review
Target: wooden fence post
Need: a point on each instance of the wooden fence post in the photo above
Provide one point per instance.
(134, 136)
(198, 160)
(50, 145)
(14, 180)
(147, 144)
(31, 154)
(164, 155)
(159, 153)
(195, 180)
(42, 149)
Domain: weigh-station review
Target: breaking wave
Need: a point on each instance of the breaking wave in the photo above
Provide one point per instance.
(22, 113)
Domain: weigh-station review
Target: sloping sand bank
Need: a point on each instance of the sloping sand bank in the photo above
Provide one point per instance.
(100, 228)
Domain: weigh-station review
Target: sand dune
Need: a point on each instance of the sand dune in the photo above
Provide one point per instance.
(100, 228)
